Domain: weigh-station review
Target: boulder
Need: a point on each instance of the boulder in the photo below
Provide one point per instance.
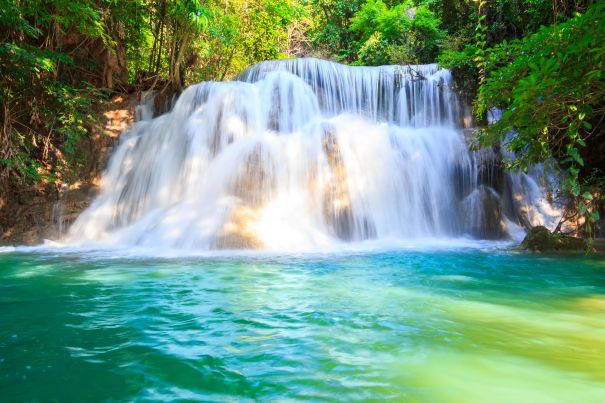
(540, 239)
(483, 210)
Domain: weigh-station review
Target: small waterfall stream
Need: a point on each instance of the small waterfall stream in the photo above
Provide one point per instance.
(304, 153)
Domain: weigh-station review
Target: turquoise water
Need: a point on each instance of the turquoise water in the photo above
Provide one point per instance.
(443, 326)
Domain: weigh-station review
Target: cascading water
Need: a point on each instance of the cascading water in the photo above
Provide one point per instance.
(299, 154)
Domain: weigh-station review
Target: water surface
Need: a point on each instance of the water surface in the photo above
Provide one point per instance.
(444, 326)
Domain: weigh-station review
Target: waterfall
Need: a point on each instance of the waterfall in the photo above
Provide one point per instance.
(305, 153)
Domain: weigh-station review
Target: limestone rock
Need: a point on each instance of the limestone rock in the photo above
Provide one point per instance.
(239, 232)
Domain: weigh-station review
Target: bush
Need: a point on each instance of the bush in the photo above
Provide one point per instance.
(551, 89)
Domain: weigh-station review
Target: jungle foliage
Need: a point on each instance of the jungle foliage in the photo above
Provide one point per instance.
(59, 57)
(551, 89)
(545, 75)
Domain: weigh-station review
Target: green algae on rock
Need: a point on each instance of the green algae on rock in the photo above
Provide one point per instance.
(540, 239)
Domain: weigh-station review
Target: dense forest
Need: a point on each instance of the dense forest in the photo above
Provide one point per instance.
(540, 62)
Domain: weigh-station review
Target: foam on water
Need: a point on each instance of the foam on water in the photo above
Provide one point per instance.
(103, 251)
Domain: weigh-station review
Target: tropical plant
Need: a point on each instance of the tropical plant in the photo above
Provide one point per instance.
(551, 89)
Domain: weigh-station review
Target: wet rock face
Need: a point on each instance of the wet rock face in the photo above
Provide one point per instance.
(239, 231)
(67, 208)
(489, 170)
(42, 212)
(485, 208)
(26, 214)
(493, 227)
(30, 214)
(337, 206)
(480, 187)
(253, 186)
(255, 180)
(540, 239)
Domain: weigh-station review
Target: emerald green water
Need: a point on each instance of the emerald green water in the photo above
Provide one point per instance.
(447, 326)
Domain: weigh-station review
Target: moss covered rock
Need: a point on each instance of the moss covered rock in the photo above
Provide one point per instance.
(540, 239)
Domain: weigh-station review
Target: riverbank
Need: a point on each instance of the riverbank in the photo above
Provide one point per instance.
(29, 214)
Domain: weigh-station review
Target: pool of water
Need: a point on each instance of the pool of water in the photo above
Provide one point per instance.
(463, 325)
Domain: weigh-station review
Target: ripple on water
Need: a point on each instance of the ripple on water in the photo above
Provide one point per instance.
(441, 326)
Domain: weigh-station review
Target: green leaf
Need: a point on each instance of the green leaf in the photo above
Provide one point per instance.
(587, 196)
(575, 155)
(594, 216)
(575, 189)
